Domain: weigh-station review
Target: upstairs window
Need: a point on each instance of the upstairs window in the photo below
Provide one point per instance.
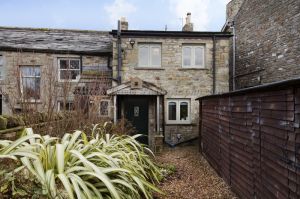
(178, 111)
(69, 69)
(193, 56)
(30, 82)
(149, 55)
(1, 67)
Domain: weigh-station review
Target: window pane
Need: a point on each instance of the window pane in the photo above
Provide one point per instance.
(143, 55)
(1, 72)
(199, 56)
(70, 106)
(74, 74)
(187, 54)
(65, 74)
(184, 111)
(30, 81)
(172, 111)
(156, 56)
(31, 88)
(69, 74)
(104, 108)
(64, 64)
(74, 64)
(27, 71)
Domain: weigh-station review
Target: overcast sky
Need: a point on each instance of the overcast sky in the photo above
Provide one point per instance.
(207, 15)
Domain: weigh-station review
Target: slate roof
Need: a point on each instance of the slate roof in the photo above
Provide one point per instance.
(55, 40)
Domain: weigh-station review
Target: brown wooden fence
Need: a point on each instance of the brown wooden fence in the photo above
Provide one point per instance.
(252, 139)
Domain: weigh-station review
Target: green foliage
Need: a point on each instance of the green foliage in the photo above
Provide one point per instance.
(166, 170)
(77, 166)
(14, 121)
(3, 123)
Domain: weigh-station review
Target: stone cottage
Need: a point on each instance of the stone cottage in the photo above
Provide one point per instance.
(267, 41)
(159, 75)
(150, 78)
(46, 68)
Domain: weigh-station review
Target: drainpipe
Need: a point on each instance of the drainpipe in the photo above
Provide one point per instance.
(214, 64)
(233, 54)
(119, 53)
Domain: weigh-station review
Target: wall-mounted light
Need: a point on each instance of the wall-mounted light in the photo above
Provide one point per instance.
(132, 42)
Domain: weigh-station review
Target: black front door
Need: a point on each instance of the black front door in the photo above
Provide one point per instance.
(136, 111)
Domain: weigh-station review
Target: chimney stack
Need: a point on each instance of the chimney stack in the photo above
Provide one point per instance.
(124, 24)
(232, 9)
(189, 26)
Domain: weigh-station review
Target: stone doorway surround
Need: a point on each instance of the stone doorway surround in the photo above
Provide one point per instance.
(138, 87)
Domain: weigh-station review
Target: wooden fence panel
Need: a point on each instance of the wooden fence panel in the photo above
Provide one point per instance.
(252, 139)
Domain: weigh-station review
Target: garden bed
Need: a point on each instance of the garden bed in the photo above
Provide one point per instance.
(193, 176)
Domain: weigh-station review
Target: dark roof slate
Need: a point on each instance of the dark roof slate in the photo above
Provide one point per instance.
(56, 40)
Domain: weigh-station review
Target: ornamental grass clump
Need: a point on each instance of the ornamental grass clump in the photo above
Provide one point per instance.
(78, 166)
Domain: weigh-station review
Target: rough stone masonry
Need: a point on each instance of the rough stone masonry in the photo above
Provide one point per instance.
(267, 41)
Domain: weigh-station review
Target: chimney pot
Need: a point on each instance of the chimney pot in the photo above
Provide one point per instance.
(124, 23)
(189, 26)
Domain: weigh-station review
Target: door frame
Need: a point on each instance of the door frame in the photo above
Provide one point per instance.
(126, 100)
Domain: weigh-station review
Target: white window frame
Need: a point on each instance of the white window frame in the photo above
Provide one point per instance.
(178, 121)
(108, 108)
(59, 103)
(21, 82)
(193, 55)
(1, 67)
(150, 64)
(69, 60)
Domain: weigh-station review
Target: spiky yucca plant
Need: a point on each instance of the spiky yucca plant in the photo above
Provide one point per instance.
(76, 166)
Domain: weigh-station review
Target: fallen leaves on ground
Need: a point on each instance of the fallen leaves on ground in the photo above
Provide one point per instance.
(194, 177)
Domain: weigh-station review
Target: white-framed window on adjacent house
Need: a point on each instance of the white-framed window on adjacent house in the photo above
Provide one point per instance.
(104, 108)
(193, 56)
(68, 106)
(149, 55)
(68, 69)
(30, 82)
(178, 111)
(1, 68)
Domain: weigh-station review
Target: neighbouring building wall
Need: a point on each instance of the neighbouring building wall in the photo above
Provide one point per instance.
(232, 9)
(180, 83)
(51, 89)
(222, 65)
(267, 42)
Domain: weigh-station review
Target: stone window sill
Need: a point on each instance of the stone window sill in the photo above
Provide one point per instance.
(192, 68)
(150, 68)
(31, 101)
(181, 124)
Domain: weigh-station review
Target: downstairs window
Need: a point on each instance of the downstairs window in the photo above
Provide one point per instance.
(178, 111)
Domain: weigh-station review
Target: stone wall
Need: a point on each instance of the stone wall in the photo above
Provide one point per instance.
(268, 42)
(178, 82)
(232, 9)
(50, 87)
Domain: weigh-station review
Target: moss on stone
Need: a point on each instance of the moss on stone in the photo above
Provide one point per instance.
(3, 123)
(14, 121)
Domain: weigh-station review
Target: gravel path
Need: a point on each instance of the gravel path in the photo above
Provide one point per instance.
(194, 177)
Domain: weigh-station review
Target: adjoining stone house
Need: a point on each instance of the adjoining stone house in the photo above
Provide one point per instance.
(46, 68)
(267, 41)
(161, 73)
(155, 75)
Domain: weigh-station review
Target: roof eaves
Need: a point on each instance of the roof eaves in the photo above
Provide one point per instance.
(55, 51)
(170, 33)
